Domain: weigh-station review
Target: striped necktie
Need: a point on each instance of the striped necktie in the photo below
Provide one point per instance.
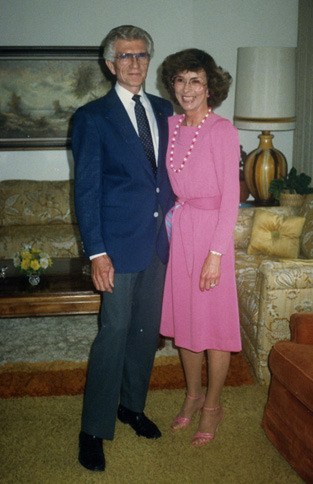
(144, 132)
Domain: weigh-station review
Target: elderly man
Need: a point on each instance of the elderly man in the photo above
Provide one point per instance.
(122, 193)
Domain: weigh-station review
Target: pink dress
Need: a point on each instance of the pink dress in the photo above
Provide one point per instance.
(204, 218)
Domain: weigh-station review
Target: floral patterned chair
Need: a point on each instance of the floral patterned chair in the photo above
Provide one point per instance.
(271, 288)
(288, 414)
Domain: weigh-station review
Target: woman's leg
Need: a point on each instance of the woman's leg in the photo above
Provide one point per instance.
(192, 364)
(218, 365)
(212, 414)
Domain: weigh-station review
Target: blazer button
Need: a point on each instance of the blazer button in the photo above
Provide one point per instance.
(156, 214)
(157, 190)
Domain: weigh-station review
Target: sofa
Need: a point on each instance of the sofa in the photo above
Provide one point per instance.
(270, 288)
(40, 213)
(288, 414)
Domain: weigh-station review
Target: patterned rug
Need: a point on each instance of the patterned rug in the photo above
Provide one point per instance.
(68, 377)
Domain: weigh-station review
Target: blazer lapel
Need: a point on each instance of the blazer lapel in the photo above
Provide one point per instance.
(116, 113)
(119, 118)
(163, 130)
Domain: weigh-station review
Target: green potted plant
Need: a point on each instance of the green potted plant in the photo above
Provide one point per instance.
(290, 189)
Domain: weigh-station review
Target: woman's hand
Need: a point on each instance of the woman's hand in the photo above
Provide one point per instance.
(211, 272)
(102, 273)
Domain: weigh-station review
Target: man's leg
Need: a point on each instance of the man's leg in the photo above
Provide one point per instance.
(143, 337)
(106, 360)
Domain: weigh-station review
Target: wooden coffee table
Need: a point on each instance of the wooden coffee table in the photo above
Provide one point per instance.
(64, 288)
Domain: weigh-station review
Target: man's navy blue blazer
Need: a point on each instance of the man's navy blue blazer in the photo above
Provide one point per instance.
(116, 193)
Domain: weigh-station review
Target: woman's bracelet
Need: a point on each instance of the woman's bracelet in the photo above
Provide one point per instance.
(214, 252)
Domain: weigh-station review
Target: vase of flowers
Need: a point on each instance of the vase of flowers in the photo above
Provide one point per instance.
(32, 262)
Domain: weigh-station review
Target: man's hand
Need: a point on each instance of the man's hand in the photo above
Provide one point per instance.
(211, 272)
(102, 273)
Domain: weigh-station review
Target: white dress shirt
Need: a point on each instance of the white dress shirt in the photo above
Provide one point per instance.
(128, 103)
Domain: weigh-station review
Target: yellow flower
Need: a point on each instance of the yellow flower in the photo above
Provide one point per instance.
(31, 260)
(25, 254)
(25, 264)
(34, 264)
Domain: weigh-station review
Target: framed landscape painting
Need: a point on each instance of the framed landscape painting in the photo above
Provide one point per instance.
(40, 88)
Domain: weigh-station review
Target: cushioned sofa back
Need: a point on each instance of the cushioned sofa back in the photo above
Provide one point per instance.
(243, 228)
(307, 233)
(32, 202)
(245, 222)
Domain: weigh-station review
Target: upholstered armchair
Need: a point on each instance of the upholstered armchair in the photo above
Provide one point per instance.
(288, 415)
(271, 288)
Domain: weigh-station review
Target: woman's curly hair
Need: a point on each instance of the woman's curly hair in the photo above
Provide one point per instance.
(195, 60)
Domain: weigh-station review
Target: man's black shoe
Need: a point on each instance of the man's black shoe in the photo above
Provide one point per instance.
(139, 422)
(91, 453)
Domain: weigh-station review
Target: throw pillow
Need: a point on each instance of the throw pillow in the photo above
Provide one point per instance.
(275, 235)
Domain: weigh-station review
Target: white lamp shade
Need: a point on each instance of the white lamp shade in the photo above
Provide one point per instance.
(265, 88)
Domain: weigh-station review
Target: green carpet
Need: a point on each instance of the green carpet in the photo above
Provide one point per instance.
(38, 442)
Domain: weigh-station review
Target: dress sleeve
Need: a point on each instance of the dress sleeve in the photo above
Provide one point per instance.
(226, 155)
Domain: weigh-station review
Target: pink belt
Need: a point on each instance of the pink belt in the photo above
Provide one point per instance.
(184, 221)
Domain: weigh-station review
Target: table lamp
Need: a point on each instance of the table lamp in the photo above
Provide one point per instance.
(265, 101)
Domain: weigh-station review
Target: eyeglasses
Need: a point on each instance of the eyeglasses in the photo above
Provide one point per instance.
(194, 83)
(127, 57)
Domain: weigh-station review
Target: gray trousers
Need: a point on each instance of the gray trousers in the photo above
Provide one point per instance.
(122, 355)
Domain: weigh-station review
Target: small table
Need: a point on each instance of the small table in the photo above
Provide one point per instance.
(64, 288)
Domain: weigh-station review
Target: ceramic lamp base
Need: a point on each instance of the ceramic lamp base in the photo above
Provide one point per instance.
(261, 167)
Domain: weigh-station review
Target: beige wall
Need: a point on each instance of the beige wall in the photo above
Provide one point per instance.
(219, 26)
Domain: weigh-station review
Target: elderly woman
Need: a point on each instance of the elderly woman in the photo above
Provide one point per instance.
(200, 310)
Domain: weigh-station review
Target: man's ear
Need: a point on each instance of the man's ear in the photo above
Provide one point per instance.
(111, 67)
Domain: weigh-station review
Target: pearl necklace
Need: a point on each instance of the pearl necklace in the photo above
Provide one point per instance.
(193, 142)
